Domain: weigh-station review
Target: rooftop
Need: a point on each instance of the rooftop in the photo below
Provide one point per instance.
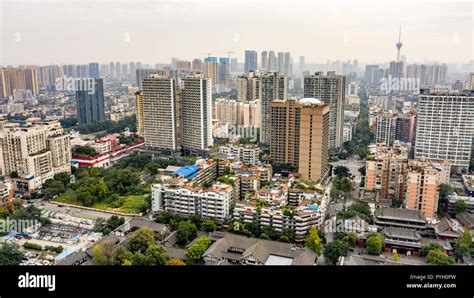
(264, 251)
(400, 214)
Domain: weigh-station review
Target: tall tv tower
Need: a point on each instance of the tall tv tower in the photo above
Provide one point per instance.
(399, 44)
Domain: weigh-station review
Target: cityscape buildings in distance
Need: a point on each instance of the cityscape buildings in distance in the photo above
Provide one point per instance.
(223, 156)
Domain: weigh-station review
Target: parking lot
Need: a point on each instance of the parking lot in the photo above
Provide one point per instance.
(73, 211)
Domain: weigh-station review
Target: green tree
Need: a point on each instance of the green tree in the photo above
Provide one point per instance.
(141, 239)
(334, 192)
(351, 239)
(53, 188)
(463, 245)
(334, 250)
(346, 186)
(65, 178)
(10, 254)
(460, 206)
(196, 251)
(288, 233)
(209, 225)
(186, 232)
(374, 245)
(313, 241)
(155, 255)
(445, 190)
(254, 228)
(341, 172)
(425, 249)
(104, 253)
(436, 257)
(103, 189)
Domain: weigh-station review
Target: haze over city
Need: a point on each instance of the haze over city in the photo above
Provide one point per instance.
(210, 134)
(155, 31)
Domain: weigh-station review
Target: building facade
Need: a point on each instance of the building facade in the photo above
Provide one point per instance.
(445, 126)
(330, 89)
(300, 136)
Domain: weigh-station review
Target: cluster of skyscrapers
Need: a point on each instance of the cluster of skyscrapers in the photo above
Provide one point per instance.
(270, 61)
(176, 115)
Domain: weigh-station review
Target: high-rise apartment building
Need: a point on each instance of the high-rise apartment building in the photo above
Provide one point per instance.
(211, 69)
(251, 61)
(231, 112)
(281, 62)
(139, 111)
(160, 109)
(272, 86)
(196, 113)
(398, 180)
(90, 100)
(264, 60)
(35, 151)
(223, 72)
(445, 126)
(47, 76)
(300, 136)
(287, 69)
(177, 118)
(197, 65)
(405, 126)
(248, 87)
(330, 89)
(371, 73)
(302, 64)
(385, 125)
(386, 171)
(17, 78)
(234, 65)
(422, 183)
(272, 61)
(396, 69)
(94, 70)
(183, 65)
(118, 70)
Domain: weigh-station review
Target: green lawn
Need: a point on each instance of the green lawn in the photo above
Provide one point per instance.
(132, 203)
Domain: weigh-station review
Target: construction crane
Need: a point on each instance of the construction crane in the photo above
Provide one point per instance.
(228, 54)
(208, 54)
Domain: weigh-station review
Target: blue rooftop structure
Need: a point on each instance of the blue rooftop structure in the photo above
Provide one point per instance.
(66, 252)
(313, 207)
(187, 171)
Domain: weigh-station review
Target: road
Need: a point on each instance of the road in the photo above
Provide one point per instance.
(353, 164)
(76, 212)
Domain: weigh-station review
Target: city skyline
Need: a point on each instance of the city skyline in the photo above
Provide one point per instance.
(364, 32)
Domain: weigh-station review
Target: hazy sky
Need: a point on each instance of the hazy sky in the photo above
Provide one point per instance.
(73, 31)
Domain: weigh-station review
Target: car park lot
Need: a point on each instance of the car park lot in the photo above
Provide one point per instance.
(72, 211)
(71, 232)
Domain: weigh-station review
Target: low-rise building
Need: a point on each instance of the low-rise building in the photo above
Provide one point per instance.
(452, 199)
(248, 154)
(468, 185)
(270, 207)
(347, 132)
(107, 150)
(232, 249)
(401, 218)
(179, 197)
(6, 192)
